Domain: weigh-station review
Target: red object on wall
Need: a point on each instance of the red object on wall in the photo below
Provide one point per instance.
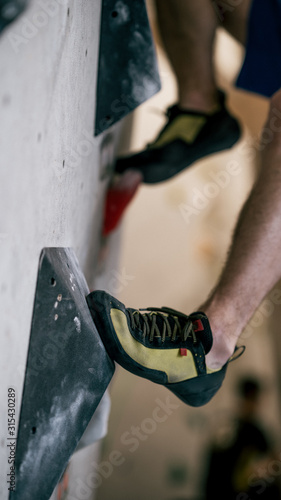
(118, 197)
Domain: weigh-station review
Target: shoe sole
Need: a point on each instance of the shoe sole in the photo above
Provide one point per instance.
(153, 172)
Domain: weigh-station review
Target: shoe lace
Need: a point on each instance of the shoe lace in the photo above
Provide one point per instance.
(162, 323)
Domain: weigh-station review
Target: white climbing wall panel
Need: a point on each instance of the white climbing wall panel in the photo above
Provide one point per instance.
(53, 173)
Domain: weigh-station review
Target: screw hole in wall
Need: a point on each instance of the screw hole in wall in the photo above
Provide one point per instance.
(33, 430)
(53, 282)
(114, 13)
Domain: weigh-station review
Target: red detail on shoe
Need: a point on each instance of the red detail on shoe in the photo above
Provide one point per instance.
(183, 351)
(198, 325)
(118, 197)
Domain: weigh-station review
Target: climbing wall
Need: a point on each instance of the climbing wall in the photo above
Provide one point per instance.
(56, 163)
(53, 171)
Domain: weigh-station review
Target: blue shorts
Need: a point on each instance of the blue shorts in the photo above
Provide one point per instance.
(261, 70)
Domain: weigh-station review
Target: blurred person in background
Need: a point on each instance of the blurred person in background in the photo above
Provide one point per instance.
(242, 458)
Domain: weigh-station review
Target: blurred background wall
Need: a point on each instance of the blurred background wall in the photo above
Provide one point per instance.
(173, 260)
